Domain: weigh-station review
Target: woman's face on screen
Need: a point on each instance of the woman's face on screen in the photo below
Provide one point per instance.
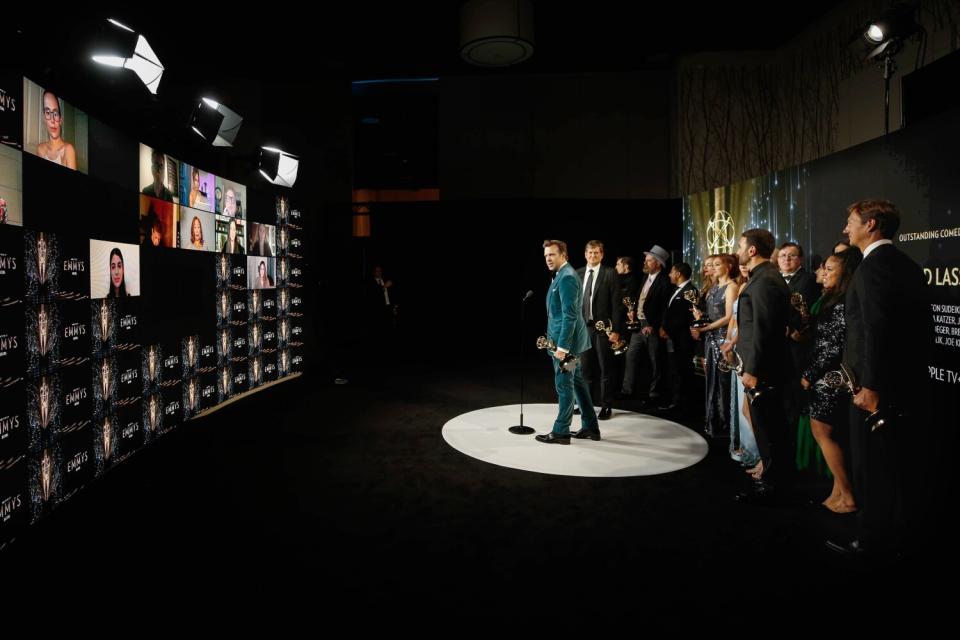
(195, 230)
(116, 271)
(51, 115)
(262, 269)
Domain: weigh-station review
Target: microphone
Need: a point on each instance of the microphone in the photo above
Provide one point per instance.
(528, 296)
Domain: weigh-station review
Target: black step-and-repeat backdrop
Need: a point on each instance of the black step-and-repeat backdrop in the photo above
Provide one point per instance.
(136, 291)
(917, 169)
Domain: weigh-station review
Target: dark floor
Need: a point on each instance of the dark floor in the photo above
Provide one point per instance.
(353, 485)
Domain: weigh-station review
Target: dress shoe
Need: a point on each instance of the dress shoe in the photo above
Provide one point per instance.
(761, 494)
(605, 413)
(669, 407)
(552, 438)
(576, 411)
(583, 434)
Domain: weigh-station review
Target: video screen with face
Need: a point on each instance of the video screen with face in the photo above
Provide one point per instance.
(262, 240)
(197, 230)
(114, 269)
(53, 129)
(11, 186)
(231, 198)
(196, 188)
(159, 175)
(158, 226)
(230, 235)
(11, 110)
(261, 273)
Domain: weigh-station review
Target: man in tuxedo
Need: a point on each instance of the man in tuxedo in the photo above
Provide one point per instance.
(566, 329)
(601, 302)
(651, 302)
(802, 282)
(887, 333)
(675, 329)
(762, 345)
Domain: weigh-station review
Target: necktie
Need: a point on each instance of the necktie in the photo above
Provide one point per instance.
(786, 278)
(587, 298)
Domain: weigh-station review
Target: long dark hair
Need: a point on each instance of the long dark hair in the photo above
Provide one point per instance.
(121, 292)
(849, 260)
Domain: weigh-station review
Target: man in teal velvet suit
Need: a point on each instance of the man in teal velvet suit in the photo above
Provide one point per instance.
(566, 329)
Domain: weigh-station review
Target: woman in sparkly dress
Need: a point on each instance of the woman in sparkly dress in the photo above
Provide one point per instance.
(828, 407)
(719, 303)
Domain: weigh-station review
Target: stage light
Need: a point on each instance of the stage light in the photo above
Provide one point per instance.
(215, 123)
(124, 48)
(496, 33)
(278, 167)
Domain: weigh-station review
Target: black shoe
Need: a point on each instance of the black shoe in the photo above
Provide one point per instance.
(851, 549)
(550, 438)
(669, 407)
(583, 434)
(761, 494)
(605, 414)
(576, 411)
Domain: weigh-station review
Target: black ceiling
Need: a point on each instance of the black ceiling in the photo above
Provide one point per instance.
(260, 62)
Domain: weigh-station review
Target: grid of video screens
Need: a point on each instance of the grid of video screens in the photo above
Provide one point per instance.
(86, 378)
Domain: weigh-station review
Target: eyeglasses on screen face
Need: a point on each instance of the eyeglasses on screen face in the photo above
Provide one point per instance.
(52, 114)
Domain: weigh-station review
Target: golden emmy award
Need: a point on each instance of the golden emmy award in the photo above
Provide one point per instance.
(104, 320)
(44, 402)
(190, 351)
(620, 347)
(725, 366)
(42, 258)
(223, 342)
(153, 413)
(152, 363)
(105, 378)
(631, 305)
(798, 303)
(224, 380)
(691, 296)
(569, 362)
(223, 305)
(107, 439)
(223, 267)
(42, 329)
(192, 394)
(46, 474)
(844, 378)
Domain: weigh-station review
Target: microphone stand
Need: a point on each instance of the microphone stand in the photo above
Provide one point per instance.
(520, 429)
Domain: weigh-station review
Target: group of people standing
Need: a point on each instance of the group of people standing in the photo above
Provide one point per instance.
(787, 354)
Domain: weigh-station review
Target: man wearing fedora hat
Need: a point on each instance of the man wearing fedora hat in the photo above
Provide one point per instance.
(651, 303)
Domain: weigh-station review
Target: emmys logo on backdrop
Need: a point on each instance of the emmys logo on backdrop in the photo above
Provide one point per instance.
(74, 331)
(7, 102)
(721, 234)
(128, 322)
(130, 431)
(8, 424)
(172, 408)
(128, 376)
(7, 263)
(8, 343)
(171, 362)
(76, 462)
(9, 506)
(74, 266)
(74, 397)
(208, 391)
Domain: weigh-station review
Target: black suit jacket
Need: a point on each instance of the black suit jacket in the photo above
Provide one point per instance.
(657, 297)
(678, 316)
(607, 301)
(762, 323)
(888, 325)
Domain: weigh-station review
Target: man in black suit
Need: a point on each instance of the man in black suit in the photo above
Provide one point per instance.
(887, 333)
(675, 329)
(655, 290)
(762, 346)
(601, 302)
(803, 283)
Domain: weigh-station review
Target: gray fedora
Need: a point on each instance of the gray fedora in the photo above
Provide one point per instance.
(659, 253)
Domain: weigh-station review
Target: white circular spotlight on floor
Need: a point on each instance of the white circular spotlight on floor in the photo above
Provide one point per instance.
(633, 444)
